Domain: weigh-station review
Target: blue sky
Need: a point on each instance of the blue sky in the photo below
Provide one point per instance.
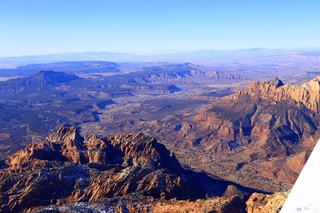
(150, 26)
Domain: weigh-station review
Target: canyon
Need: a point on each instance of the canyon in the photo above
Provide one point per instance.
(154, 136)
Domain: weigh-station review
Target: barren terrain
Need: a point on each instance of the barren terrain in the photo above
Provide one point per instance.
(231, 119)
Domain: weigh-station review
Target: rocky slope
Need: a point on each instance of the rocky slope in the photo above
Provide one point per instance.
(307, 93)
(274, 116)
(267, 115)
(261, 203)
(270, 123)
(67, 169)
(260, 136)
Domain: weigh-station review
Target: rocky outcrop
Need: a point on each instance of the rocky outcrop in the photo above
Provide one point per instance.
(273, 115)
(269, 126)
(216, 205)
(68, 168)
(307, 94)
(261, 203)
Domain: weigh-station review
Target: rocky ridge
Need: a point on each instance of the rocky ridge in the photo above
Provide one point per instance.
(307, 93)
(261, 203)
(273, 115)
(270, 126)
(67, 169)
(260, 136)
(263, 133)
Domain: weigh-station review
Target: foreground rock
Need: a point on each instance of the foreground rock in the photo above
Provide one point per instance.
(261, 203)
(68, 169)
(216, 205)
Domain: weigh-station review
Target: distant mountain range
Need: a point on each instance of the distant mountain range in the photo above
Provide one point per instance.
(203, 56)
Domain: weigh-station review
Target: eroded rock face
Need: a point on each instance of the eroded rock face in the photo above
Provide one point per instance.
(269, 115)
(68, 168)
(308, 93)
(261, 203)
(269, 126)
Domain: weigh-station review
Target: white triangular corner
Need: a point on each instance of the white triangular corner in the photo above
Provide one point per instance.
(304, 196)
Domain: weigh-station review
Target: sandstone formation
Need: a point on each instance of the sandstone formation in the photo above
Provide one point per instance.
(67, 169)
(274, 115)
(260, 136)
(264, 132)
(271, 123)
(261, 203)
(307, 94)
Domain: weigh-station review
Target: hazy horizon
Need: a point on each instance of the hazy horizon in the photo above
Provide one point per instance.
(173, 52)
(39, 27)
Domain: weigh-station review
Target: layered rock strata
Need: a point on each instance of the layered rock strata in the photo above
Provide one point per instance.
(68, 168)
